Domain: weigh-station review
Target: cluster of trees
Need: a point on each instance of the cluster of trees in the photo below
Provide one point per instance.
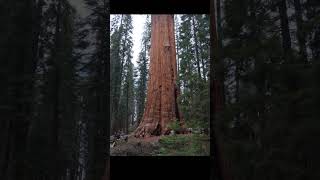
(267, 58)
(54, 74)
(143, 69)
(193, 44)
(121, 70)
(129, 83)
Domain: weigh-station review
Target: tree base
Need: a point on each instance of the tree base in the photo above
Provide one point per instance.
(146, 130)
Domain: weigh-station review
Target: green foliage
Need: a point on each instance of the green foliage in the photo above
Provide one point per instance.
(142, 70)
(131, 129)
(196, 124)
(175, 125)
(269, 100)
(193, 60)
(184, 145)
(122, 73)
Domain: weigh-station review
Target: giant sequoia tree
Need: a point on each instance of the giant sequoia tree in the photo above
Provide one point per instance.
(161, 106)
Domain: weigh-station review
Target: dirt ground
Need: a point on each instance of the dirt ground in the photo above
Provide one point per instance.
(136, 147)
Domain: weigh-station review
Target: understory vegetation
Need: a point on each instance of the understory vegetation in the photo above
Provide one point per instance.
(184, 145)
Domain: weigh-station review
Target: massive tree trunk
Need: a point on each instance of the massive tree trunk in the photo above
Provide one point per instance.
(161, 105)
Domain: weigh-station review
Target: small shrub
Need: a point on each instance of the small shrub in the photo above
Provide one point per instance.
(195, 124)
(175, 126)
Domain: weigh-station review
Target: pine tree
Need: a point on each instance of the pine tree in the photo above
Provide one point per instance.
(115, 65)
(126, 75)
(266, 80)
(45, 138)
(193, 72)
(186, 71)
(300, 31)
(143, 70)
(98, 85)
(122, 74)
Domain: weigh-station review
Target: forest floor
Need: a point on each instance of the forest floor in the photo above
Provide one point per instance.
(136, 147)
(170, 145)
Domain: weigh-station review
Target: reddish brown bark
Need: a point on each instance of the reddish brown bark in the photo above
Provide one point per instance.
(161, 106)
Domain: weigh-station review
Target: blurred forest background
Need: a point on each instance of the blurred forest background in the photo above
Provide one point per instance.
(267, 58)
(54, 81)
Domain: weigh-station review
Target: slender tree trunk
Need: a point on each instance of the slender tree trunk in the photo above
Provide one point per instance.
(100, 127)
(196, 46)
(54, 97)
(127, 116)
(117, 88)
(237, 81)
(203, 70)
(177, 49)
(37, 54)
(285, 31)
(219, 28)
(56, 123)
(221, 166)
(300, 30)
(219, 31)
(161, 105)
(122, 121)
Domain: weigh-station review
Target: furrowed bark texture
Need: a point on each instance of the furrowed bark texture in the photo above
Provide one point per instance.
(161, 105)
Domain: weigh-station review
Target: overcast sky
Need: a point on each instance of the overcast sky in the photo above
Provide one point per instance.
(138, 22)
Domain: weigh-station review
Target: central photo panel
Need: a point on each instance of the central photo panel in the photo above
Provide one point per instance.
(159, 85)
